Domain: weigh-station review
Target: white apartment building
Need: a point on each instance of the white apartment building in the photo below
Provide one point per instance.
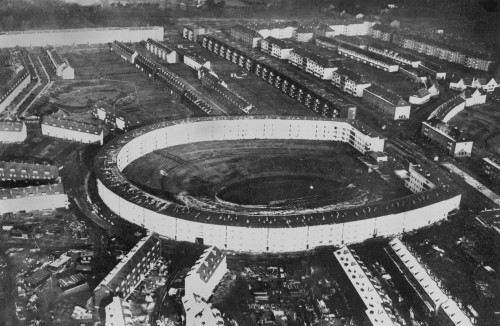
(321, 67)
(206, 274)
(72, 130)
(163, 51)
(195, 61)
(200, 313)
(277, 32)
(378, 305)
(351, 28)
(420, 97)
(474, 97)
(118, 313)
(12, 132)
(369, 58)
(32, 198)
(419, 179)
(349, 81)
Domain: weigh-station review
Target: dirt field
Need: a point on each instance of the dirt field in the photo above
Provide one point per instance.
(262, 172)
(482, 122)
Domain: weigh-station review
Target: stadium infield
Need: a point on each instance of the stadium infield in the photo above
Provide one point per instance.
(274, 174)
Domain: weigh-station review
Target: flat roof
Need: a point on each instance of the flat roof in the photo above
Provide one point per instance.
(114, 180)
(445, 129)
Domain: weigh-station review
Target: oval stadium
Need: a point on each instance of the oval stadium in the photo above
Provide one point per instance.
(260, 183)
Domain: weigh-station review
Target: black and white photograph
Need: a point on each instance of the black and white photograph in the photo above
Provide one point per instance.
(250, 162)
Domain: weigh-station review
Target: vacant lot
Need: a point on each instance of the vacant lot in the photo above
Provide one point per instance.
(262, 172)
(482, 122)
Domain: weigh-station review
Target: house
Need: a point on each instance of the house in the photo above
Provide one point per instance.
(369, 58)
(165, 52)
(382, 32)
(324, 30)
(387, 102)
(432, 87)
(12, 132)
(60, 65)
(72, 130)
(414, 75)
(432, 69)
(326, 42)
(486, 84)
(193, 32)
(277, 48)
(320, 66)
(195, 61)
(117, 118)
(349, 81)
(474, 97)
(299, 57)
(304, 34)
(124, 51)
(37, 278)
(395, 55)
(451, 139)
(420, 97)
(245, 35)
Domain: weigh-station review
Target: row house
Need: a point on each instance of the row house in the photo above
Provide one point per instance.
(61, 66)
(401, 58)
(387, 102)
(27, 171)
(298, 58)
(165, 52)
(115, 117)
(27, 199)
(490, 169)
(129, 272)
(455, 142)
(195, 61)
(432, 69)
(353, 41)
(364, 289)
(12, 132)
(245, 35)
(193, 32)
(349, 81)
(380, 31)
(415, 75)
(449, 109)
(72, 130)
(443, 51)
(126, 52)
(277, 48)
(434, 300)
(326, 43)
(368, 58)
(461, 83)
(321, 67)
(14, 87)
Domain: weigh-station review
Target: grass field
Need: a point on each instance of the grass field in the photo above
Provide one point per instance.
(482, 122)
(262, 172)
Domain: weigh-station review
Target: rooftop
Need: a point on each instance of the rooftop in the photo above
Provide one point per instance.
(73, 125)
(445, 129)
(246, 30)
(5, 90)
(283, 44)
(13, 126)
(382, 28)
(387, 95)
(18, 168)
(114, 180)
(369, 54)
(208, 263)
(44, 190)
(352, 75)
(449, 105)
(492, 163)
(55, 57)
(162, 46)
(41, 31)
(120, 272)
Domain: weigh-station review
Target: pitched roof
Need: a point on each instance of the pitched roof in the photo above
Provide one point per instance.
(421, 93)
(72, 125)
(324, 28)
(246, 30)
(45, 190)
(13, 126)
(30, 168)
(208, 263)
(352, 75)
(382, 28)
(387, 95)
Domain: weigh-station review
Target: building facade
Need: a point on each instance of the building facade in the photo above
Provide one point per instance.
(474, 97)
(193, 32)
(350, 82)
(490, 169)
(450, 139)
(116, 118)
(61, 66)
(245, 35)
(32, 198)
(368, 58)
(420, 97)
(12, 132)
(419, 179)
(387, 102)
(383, 32)
(27, 171)
(118, 313)
(277, 48)
(165, 52)
(129, 272)
(72, 130)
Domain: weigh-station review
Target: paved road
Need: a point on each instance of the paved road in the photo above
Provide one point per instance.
(473, 182)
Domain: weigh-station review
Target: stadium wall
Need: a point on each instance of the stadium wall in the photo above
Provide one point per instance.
(258, 238)
(79, 36)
